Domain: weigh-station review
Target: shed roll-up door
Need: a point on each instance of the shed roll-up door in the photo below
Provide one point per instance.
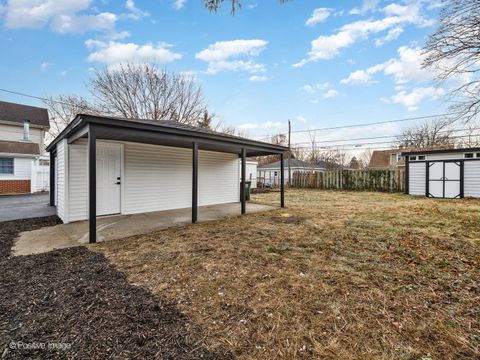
(444, 179)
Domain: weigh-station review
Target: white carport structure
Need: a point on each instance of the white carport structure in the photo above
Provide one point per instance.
(449, 173)
(105, 166)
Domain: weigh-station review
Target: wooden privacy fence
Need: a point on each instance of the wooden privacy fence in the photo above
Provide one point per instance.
(367, 180)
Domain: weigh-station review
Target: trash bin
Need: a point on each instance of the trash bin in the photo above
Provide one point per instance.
(248, 184)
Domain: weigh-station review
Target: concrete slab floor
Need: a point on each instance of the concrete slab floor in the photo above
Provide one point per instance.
(120, 226)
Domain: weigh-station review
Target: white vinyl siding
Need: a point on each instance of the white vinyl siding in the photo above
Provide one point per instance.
(218, 178)
(251, 172)
(15, 133)
(471, 187)
(78, 181)
(22, 169)
(61, 180)
(417, 178)
(446, 156)
(156, 178)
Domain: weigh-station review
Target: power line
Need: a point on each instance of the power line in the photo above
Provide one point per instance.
(357, 145)
(366, 124)
(44, 99)
(381, 137)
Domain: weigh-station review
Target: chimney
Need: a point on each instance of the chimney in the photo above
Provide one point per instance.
(26, 130)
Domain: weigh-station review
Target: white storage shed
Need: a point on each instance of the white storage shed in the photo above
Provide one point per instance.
(449, 173)
(105, 166)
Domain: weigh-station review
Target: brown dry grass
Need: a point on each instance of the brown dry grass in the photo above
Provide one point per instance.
(335, 275)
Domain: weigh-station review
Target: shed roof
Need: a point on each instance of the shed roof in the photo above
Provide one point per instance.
(162, 132)
(17, 147)
(294, 163)
(16, 113)
(442, 151)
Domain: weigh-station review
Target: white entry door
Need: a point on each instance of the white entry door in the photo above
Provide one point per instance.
(108, 178)
(444, 179)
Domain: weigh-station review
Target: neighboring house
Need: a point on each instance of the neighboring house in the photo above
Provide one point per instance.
(22, 134)
(104, 166)
(251, 171)
(386, 159)
(449, 173)
(269, 174)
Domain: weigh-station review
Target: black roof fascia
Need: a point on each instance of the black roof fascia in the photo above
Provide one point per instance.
(104, 122)
(441, 151)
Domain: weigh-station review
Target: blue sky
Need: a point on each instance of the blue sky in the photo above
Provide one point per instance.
(318, 63)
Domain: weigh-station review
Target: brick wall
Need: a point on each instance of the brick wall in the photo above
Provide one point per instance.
(14, 186)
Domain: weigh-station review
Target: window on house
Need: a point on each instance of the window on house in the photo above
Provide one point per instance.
(478, 155)
(412, 158)
(421, 157)
(468, 155)
(26, 130)
(6, 165)
(275, 173)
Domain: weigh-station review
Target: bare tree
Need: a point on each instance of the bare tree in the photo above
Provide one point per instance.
(136, 92)
(63, 108)
(142, 91)
(470, 137)
(365, 157)
(453, 52)
(300, 153)
(280, 139)
(355, 163)
(214, 5)
(334, 159)
(431, 134)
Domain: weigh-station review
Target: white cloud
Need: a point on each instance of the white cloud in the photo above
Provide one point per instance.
(257, 78)
(368, 5)
(330, 94)
(319, 15)
(62, 16)
(84, 23)
(179, 4)
(407, 67)
(404, 70)
(265, 125)
(44, 66)
(113, 53)
(392, 34)
(313, 88)
(222, 55)
(362, 76)
(412, 99)
(301, 119)
(328, 46)
(135, 13)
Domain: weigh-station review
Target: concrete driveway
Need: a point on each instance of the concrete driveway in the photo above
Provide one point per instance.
(14, 207)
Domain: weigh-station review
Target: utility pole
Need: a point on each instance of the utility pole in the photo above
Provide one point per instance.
(289, 154)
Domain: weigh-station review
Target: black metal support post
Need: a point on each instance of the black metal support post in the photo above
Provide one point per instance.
(407, 171)
(242, 183)
(92, 185)
(194, 181)
(282, 181)
(52, 178)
